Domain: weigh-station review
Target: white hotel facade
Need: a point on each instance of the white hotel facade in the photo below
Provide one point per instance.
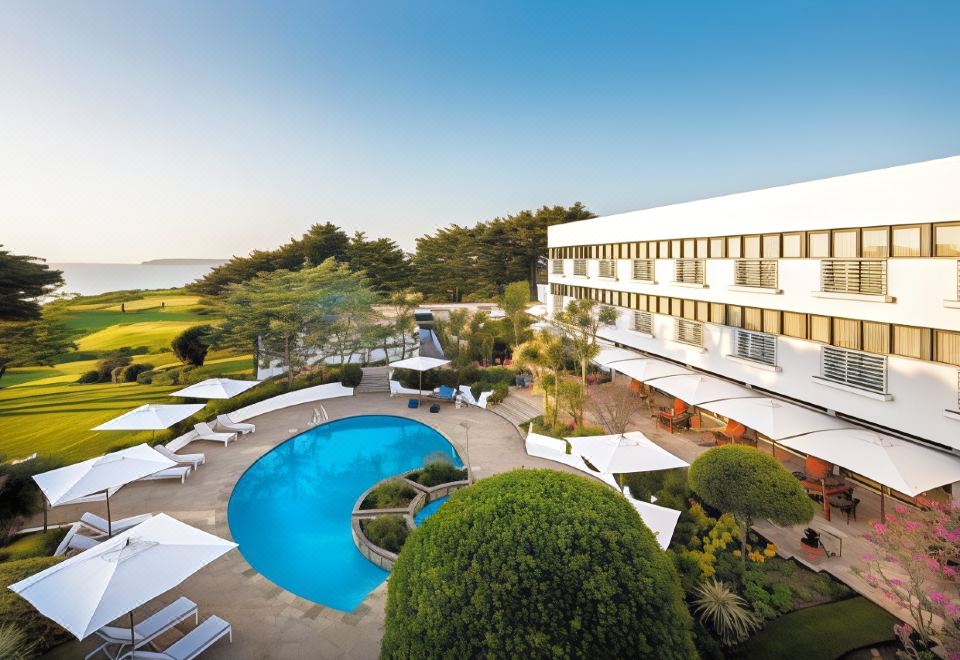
(840, 294)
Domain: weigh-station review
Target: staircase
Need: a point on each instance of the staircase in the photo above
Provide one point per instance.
(375, 379)
(517, 410)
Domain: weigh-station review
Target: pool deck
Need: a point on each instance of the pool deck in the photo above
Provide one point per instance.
(268, 621)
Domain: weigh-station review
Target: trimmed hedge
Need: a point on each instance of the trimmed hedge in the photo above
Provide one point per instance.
(392, 494)
(437, 473)
(389, 532)
(535, 563)
(16, 611)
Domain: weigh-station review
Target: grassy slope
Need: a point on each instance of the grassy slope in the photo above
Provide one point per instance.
(42, 409)
(825, 631)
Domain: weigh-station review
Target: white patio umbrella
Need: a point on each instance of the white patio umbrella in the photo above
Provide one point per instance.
(420, 364)
(697, 389)
(775, 419)
(91, 589)
(628, 452)
(644, 369)
(100, 475)
(150, 417)
(216, 388)
(610, 354)
(659, 519)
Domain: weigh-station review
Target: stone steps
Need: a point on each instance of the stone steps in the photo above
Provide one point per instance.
(516, 410)
(375, 379)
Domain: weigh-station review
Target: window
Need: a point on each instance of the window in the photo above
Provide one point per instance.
(947, 346)
(733, 247)
(689, 332)
(557, 304)
(859, 276)
(795, 325)
(580, 267)
(846, 333)
(608, 268)
(756, 346)
(703, 310)
(876, 337)
(716, 248)
(643, 269)
(643, 322)
(676, 248)
(664, 250)
(702, 248)
(753, 318)
(845, 243)
(676, 307)
(690, 309)
(771, 321)
(751, 247)
(556, 266)
(854, 369)
(820, 328)
(771, 246)
(735, 316)
(688, 271)
(663, 305)
(640, 251)
(911, 342)
(689, 248)
(818, 244)
(793, 245)
(875, 242)
(947, 240)
(907, 242)
(760, 273)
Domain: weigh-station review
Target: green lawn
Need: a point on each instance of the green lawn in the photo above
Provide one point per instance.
(823, 632)
(155, 336)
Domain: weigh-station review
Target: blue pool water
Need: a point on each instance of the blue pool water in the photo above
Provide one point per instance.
(429, 510)
(290, 511)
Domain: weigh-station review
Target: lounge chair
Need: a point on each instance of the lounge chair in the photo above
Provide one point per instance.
(98, 525)
(227, 424)
(177, 472)
(444, 393)
(193, 460)
(193, 643)
(75, 541)
(204, 432)
(147, 630)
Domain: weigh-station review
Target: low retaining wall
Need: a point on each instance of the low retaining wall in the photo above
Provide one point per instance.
(425, 494)
(279, 402)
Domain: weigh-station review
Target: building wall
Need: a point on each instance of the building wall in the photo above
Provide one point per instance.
(920, 291)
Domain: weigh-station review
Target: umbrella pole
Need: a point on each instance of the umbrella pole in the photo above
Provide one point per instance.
(109, 520)
(45, 503)
(882, 517)
(133, 640)
(420, 391)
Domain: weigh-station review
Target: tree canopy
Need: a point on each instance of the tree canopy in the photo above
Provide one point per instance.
(535, 563)
(23, 282)
(751, 485)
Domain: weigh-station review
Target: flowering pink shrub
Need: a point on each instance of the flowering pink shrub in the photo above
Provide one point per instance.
(916, 567)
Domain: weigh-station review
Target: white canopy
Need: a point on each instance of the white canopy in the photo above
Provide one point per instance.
(630, 452)
(697, 389)
(661, 520)
(89, 590)
(775, 419)
(609, 354)
(644, 369)
(553, 449)
(100, 474)
(216, 388)
(899, 464)
(419, 363)
(150, 417)
(537, 310)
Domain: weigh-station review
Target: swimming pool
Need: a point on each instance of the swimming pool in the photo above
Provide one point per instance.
(290, 511)
(429, 509)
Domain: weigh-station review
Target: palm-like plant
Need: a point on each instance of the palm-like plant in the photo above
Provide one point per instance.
(544, 354)
(721, 608)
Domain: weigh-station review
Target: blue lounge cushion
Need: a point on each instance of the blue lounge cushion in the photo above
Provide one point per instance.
(446, 392)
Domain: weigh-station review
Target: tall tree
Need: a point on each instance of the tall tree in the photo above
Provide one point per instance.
(514, 302)
(545, 355)
(403, 304)
(445, 264)
(24, 281)
(34, 343)
(383, 262)
(580, 322)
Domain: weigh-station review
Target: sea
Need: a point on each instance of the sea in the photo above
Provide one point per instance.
(91, 279)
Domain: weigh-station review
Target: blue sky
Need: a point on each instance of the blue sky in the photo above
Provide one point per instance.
(142, 130)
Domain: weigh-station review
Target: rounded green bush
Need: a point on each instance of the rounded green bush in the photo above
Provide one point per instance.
(388, 532)
(535, 563)
(351, 375)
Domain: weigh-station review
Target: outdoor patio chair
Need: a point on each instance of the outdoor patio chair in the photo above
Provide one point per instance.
(177, 472)
(444, 393)
(204, 432)
(193, 460)
(227, 424)
(98, 525)
(193, 643)
(75, 541)
(147, 630)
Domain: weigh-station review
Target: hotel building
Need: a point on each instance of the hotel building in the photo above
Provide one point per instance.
(841, 294)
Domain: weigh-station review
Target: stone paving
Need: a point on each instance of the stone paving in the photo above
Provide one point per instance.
(268, 621)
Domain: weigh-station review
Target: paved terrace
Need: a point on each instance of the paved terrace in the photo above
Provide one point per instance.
(268, 621)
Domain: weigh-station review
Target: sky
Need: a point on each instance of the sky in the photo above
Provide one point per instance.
(159, 129)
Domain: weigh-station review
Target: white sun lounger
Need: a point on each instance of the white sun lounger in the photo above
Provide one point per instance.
(75, 541)
(98, 525)
(193, 460)
(147, 630)
(193, 643)
(227, 424)
(204, 432)
(177, 472)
